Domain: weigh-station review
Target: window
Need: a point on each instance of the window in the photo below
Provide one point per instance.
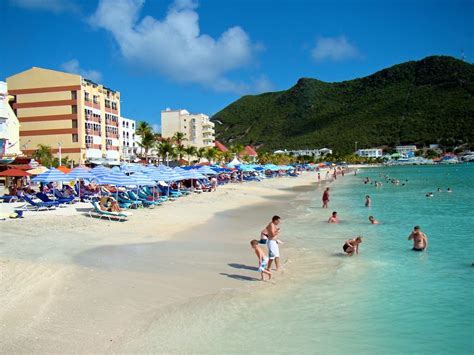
(87, 96)
(75, 137)
(74, 109)
(107, 103)
(96, 99)
(73, 95)
(74, 124)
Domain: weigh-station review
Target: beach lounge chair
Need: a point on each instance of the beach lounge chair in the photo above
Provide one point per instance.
(111, 216)
(45, 198)
(37, 206)
(145, 201)
(123, 198)
(63, 199)
(8, 198)
(145, 191)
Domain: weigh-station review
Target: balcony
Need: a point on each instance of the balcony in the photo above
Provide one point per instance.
(112, 147)
(111, 123)
(111, 135)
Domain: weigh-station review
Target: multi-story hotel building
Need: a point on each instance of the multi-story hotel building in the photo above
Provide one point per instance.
(9, 126)
(370, 153)
(127, 136)
(68, 112)
(197, 128)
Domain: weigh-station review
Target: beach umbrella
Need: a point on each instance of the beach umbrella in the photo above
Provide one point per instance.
(206, 170)
(81, 173)
(38, 170)
(52, 175)
(14, 173)
(100, 171)
(116, 178)
(141, 179)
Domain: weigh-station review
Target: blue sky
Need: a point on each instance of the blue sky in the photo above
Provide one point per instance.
(204, 55)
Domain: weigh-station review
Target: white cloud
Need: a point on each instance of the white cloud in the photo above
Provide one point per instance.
(73, 66)
(334, 48)
(56, 6)
(174, 46)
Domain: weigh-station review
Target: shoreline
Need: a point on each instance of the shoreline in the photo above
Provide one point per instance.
(77, 273)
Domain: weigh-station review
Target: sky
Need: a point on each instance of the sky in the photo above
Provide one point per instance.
(202, 56)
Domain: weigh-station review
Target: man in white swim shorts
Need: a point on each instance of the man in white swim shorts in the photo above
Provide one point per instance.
(272, 231)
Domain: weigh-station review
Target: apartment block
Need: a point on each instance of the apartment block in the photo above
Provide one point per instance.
(128, 138)
(9, 126)
(370, 153)
(68, 112)
(197, 128)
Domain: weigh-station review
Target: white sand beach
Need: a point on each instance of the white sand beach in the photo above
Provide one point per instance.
(70, 283)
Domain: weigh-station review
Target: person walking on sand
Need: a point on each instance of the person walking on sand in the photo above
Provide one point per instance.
(262, 260)
(368, 201)
(326, 198)
(272, 231)
(420, 240)
(351, 246)
(319, 177)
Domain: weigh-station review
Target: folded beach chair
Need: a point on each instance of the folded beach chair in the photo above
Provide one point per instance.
(111, 216)
(37, 206)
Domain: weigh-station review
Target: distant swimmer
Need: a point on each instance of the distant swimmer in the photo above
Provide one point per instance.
(372, 220)
(368, 201)
(449, 190)
(326, 198)
(262, 260)
(439, 189)
(420, 240)
(333, 219)
(429, 194)
(351, 246)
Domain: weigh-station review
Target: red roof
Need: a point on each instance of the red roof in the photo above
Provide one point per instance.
(14, 172)
(221, 146)
(20, 166)
(250, 151)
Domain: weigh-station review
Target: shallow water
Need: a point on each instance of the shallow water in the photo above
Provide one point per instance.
(388, 299)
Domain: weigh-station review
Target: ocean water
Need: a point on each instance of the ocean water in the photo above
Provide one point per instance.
(386, 300)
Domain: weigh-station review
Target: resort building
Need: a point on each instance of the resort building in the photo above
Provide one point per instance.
(9, 126)
(197, 128)
(73, 115)
(128, 138)
(316, 153)
(406, 150)
(370, 153)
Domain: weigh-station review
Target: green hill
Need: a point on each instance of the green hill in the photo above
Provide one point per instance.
(422, 102)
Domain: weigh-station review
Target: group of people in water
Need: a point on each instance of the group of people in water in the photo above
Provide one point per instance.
(270, 234)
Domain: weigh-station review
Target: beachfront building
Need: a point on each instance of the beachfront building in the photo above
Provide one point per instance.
(9, 127)
(197, 128)
(406, 150)
(73, 115)
(127, 138)
(316, 153)
(370, 153)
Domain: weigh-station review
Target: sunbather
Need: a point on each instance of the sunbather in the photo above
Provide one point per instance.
(109, 204)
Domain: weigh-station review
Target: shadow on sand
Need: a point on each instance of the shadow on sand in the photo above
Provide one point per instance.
(339, 255)
(243, 267)
(239, 277)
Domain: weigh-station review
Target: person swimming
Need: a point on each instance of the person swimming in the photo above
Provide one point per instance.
(372, 220)
(333, 219)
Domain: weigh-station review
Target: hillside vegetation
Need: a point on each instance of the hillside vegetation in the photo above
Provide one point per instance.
(422, 102)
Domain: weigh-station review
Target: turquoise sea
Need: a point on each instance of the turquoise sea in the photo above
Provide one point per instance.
(387, 300)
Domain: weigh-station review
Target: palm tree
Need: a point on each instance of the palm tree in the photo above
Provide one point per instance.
(201, 152)
(147, 141)
(237, 149)
(44, 155)
(179, 138)
(190, 152)
(143, 128)
(211, 154)
(166, 149)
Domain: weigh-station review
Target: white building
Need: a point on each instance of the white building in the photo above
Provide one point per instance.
(9, 126)
(128, 138)
(370, 153)
(198, 130)
(306, 152)
(405, 149)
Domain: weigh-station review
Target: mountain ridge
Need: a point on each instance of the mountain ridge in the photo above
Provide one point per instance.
(422, 102)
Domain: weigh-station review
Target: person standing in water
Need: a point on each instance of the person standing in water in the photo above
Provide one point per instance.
(272, 231)
(420, 240)
(326, 198)
(262, 260)
(351, 246)
(372, 220)
(368, 201)
(333, 219)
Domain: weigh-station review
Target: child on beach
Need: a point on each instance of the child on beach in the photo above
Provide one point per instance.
(262, 260)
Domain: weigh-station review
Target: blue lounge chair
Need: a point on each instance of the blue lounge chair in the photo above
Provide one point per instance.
(111, 216)
(37, 206)
(146, 202)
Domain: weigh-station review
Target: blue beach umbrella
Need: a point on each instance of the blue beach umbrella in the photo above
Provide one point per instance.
(100, 171)
(116, 178)
(52, 175)
(141, 179)
(205, 170)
